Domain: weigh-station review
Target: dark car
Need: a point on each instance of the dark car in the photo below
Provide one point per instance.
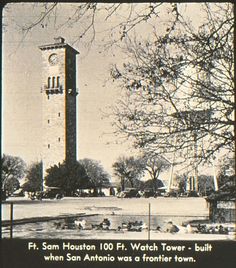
(129, 193)
(4, 195)
(48, 193)
(171, 194)
(81, 194)
(53, 192)
(18, 192)
(192, 194)
(149, 193)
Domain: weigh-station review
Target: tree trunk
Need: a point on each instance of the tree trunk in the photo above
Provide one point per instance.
(154, 184)
(122, 182)
(131, 183)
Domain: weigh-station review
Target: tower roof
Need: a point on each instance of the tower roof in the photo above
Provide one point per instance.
(59, 43)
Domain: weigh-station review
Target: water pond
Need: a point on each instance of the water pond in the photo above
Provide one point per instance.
(91, 227)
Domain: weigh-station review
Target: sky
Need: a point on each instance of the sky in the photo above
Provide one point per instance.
(21, 101)
(21, 98)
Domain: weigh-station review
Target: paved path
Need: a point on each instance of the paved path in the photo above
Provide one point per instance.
(25, 208)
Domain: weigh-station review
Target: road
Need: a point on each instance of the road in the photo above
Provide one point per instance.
(26, 208)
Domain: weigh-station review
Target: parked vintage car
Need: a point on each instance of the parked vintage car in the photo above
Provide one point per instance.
(149, 193)
(4, 195)
(81, 194)
(18, 192)
(48, 193)
(171, 194)
(189, 194)
(90, 193)
(128, 193)
(192, 194)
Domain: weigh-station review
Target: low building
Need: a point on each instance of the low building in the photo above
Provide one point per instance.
(222, 207)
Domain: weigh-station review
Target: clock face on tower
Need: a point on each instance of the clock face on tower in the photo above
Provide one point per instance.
(53, 59)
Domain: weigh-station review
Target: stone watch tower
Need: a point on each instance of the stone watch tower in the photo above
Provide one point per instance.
(59, 103)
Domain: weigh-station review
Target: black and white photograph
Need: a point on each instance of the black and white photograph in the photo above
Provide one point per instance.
(118, 123)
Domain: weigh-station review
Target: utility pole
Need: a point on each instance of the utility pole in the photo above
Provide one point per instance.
(195, 186)
(215, 179)
(171, 173)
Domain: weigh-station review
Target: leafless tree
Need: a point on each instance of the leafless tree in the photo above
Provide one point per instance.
(179, 88)
(179, 83)
(97, 175)
(128, 169)
(154, 165)
(87, 17)
(226, 172)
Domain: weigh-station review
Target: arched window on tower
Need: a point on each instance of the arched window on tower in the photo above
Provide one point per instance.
(58, 81)
(49, 82)
(53, 82)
